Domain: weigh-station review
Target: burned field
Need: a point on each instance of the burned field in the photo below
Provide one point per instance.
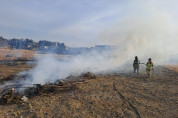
(97, 95)
(9, 71)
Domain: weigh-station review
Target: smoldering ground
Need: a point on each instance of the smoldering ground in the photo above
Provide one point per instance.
(49, 69)
(143, 31)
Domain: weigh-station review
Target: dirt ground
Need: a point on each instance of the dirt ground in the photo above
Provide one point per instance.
(155, 97)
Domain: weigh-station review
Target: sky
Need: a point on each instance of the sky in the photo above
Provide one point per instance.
(79, 23)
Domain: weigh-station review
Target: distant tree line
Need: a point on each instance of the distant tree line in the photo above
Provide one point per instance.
(29, 44)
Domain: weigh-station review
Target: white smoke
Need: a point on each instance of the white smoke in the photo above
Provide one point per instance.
(49, 69)
(147, 30)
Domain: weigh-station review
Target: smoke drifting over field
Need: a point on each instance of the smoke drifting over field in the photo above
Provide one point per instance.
(145, 38)
(50, 69)
(146, 30)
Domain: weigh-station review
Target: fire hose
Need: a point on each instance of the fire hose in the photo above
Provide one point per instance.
(122, 97)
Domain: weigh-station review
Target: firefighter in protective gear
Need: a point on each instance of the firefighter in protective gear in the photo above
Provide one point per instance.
(149, 67)
(136, 65)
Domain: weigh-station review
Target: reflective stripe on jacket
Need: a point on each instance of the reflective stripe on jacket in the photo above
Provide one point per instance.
(149, 65)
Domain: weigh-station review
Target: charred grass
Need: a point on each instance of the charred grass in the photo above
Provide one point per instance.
(91, 95)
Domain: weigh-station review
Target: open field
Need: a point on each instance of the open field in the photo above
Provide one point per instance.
(11, 54)
(173, 67)
(9, 71)
(16, 54)
(155, 97)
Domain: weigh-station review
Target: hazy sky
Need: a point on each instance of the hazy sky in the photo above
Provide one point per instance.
(74, 22)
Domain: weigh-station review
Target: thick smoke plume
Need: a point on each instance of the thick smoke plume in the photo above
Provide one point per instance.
(49, 69)
(145, 30)
(148, 29)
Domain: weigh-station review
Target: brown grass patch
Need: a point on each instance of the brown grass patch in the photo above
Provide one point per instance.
(95, 97)
(12, 54)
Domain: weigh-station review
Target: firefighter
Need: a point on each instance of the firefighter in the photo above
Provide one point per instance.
(149, 67)
(136, 65)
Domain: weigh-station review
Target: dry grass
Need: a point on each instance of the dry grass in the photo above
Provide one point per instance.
(8, 54)
(154, 97)
(173, 67)
(7, 71)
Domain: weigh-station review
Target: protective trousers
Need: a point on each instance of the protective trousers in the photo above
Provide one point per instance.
(136, 69)
(148, 71)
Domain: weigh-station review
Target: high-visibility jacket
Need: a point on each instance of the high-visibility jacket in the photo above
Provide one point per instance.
(149, 65)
